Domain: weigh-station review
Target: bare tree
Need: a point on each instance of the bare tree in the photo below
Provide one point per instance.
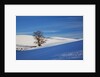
(40, 39)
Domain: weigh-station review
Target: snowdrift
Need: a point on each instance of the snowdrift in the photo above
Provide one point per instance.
(66, 51)
(26, 42)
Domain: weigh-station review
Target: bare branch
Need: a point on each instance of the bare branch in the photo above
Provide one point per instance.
(40, 39)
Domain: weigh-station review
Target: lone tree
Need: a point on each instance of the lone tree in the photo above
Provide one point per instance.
(40, 39)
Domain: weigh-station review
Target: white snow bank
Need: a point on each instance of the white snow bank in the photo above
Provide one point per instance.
(26, 42)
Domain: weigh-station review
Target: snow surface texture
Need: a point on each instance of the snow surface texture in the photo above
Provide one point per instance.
(26, 42)
(66, 51)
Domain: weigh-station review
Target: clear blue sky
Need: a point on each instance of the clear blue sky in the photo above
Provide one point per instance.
(58, 26)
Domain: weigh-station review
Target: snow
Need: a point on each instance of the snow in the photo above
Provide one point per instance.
(67, 51)
(26, 42)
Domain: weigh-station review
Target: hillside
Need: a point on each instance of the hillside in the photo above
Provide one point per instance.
(67, 51)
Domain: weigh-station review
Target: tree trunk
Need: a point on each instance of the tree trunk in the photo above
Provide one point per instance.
(39, 44)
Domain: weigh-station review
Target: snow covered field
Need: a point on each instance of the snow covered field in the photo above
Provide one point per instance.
(55, 48)
(66, 51)
(26, 42)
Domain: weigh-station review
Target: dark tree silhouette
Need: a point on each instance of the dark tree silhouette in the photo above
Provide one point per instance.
(40, 39)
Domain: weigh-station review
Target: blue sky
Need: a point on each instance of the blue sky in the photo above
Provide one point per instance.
(57, 26)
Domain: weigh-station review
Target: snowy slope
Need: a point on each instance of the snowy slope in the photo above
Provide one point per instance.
(24, 40)
(67, 51)
(28, 40)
